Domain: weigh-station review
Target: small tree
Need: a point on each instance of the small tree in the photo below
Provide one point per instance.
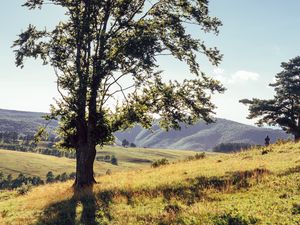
(284, 108)
(108, 48)
(132, 145)
(125, 143)
(50, 177)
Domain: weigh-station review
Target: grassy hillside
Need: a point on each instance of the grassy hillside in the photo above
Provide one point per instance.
(33, 164)
(237, 189)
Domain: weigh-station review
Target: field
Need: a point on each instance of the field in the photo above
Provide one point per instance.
(32, 164)
(260, 186)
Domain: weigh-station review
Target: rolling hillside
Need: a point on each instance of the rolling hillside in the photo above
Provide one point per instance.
(197, 137)
(222, 189)
(33, 164)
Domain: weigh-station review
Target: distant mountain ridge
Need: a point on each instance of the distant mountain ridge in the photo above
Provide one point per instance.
(196, 137)
(200, 136)
(22, 121)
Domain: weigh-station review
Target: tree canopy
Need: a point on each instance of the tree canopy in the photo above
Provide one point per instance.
(284, 108)
(107, 49)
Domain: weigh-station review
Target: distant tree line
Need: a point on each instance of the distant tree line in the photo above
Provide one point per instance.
(126, 143)
(51, 178)
(231, 147)
(21, 179)
(26, 143)
(9, 183)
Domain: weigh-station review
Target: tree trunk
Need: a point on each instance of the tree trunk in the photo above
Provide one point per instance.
(85, 157)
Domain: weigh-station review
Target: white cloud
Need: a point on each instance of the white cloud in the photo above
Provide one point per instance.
(243, 76)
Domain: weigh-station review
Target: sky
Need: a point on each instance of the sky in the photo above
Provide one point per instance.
(256, 36)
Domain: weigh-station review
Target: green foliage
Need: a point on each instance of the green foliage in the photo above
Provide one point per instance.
(284, 108)
(132, 145)
(234, 219)
(125, 143)
(49, 177)
(102, 42)
(296, 209)
(114, 160)
(160, 162)
(22, 182)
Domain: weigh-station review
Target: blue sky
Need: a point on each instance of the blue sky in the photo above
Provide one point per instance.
(257, 35)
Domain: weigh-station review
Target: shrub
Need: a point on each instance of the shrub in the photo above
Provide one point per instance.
(132, 145)
(200, 155)
(296, 209)
(108, 172)
(264, 152)
(125, 143)
(114, 160)
(107, 158)
(49, 177)
(23, 189)
(160, 162)
(196, 157)
(237, 219)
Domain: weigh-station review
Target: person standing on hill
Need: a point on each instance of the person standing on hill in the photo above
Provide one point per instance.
(267, 141)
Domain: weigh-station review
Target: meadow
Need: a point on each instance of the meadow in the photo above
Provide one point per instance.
(32, 164)
(259, 186)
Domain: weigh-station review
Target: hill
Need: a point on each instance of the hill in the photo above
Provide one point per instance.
(22, 122)
(242, 188)
(33, 164)
(197, 137)
(200, 136)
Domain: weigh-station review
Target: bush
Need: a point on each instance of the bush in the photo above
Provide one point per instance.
(132, 145)
(49, 177)
(114, 160)
(296, 209)
(237, 219)
(23, 189)
(125, 143)
(196, 157)
(160, 162)
(200, 155)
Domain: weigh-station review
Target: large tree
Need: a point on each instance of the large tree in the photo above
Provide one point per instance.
(284, 108)
(105, 59)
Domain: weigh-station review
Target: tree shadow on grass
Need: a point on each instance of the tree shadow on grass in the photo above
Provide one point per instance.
(80, 209)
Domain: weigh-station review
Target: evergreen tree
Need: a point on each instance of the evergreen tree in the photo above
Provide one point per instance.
(103, 45)
(284, 108)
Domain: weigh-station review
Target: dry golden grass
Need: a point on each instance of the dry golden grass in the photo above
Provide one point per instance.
(247, 187)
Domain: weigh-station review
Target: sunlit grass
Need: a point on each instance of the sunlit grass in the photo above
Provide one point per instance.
(248, 187)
